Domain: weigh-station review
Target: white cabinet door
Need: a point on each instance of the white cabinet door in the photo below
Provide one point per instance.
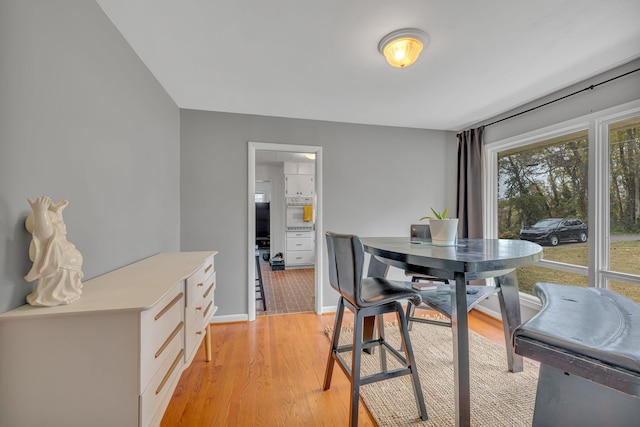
(307, 168)
(299, 168)
(307, 185)
(299, 185)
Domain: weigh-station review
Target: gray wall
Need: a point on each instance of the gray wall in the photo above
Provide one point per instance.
(82, 118)
(377, 181)
(609, 95)
(618, 92)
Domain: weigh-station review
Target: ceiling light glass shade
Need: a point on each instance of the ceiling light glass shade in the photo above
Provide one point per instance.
(402, 47)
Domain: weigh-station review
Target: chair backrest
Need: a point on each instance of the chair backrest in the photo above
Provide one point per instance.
(346, 264)
(420, 232)
(258, 269)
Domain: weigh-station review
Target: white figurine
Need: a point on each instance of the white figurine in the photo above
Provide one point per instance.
(57, 264)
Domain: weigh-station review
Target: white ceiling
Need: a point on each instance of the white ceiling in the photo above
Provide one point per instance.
(319, 59)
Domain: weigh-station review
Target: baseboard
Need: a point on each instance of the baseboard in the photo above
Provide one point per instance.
(529, 306)
(488, 311)
(230, 318)
(329, 309)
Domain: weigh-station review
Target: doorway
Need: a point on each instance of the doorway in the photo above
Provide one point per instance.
(255, 150)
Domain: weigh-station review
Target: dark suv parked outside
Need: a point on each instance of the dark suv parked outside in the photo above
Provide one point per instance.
(555, 230)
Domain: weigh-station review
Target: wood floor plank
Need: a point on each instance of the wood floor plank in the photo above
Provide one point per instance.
(270, 373)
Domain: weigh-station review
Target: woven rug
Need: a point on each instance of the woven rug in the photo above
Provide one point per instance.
(498, 397)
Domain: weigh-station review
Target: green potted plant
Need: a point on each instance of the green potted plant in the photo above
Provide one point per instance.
(443, 230)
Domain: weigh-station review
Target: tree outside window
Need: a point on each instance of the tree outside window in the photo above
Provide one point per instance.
(549, 179)
(544, 187)
(624, 203)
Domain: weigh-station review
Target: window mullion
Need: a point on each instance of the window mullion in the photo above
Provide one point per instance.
(598, 203)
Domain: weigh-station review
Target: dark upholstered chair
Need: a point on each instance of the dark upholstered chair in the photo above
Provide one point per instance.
(439, 299)
(421, 233)
(259, 285)
(587, 341)
(366, 297)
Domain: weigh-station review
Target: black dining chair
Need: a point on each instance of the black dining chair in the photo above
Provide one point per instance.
(421, 233)
(438, 298)
(259, 285)
(367, 297)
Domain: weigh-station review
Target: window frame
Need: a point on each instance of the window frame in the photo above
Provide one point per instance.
(597, 126)
(603, 274)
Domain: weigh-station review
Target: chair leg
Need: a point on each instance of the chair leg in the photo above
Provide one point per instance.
(411, 309)
(383, 350)
(356, 356)
(411, 362)
(259, 285)
(334, 345)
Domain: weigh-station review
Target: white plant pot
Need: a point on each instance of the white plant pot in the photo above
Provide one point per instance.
(444, 231)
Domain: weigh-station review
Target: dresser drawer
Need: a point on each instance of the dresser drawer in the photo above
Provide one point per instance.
(201, 298)
(299, 244)
(300, 258)
(209, 267)
(195, 332)
(303, 234)
(160, 388)
(208, 297)
(160, 327)
(195, 286)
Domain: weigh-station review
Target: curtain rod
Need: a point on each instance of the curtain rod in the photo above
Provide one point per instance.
(563, 97)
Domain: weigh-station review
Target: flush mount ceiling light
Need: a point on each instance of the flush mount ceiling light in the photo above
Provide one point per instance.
(402, 47)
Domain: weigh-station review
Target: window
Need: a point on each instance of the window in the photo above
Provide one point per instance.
(624, 205)
(575, 189)
(543, 197)
(260, 197)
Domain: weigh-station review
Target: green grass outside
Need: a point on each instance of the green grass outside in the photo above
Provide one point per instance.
(625, 257)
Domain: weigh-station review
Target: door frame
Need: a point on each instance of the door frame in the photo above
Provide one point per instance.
(251, 214)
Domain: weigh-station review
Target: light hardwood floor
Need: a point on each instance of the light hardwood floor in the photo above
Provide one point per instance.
(270, 372)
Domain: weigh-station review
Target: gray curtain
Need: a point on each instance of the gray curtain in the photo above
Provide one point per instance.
(470, 183)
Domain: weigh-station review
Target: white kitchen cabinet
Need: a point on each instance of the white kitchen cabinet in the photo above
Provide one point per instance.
(113, 357)
(300, 249)
(299, 168)
(299, 185)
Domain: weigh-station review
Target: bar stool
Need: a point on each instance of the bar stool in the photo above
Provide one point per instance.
(259, 284)
(366, 297)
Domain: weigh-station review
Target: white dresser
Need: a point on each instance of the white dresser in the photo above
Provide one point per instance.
(114, 357)
(300, 249)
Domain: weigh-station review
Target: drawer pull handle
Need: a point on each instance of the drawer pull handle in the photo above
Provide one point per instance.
(206, 270)
(200, 284)
(170, 371)
(208, 290)
(168, 307)
(199, 333)
(164, 345)
(198, 308)
(207, 309)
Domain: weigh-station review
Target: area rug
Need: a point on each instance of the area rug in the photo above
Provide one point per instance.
(498, 397)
